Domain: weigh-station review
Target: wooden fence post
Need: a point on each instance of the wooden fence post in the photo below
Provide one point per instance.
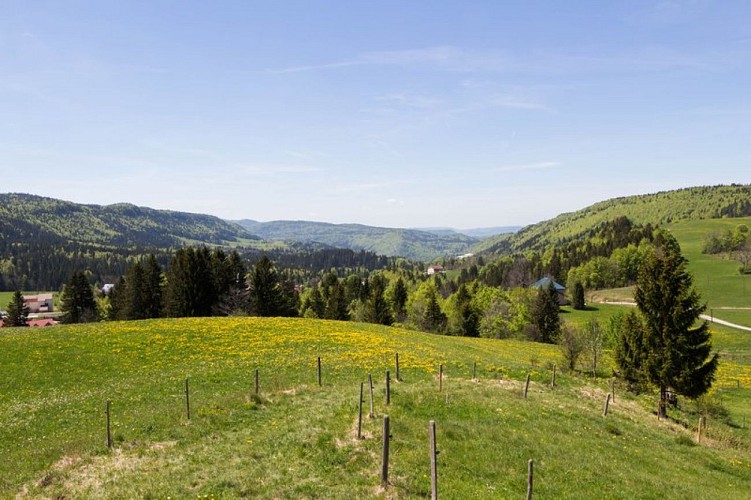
(474, 370)
(526, 386)
(530, 477)
(109, 428)
(257, 384)
(433, 462)
(440, 378)
(385, 454)
(319, 372)
(397, 367)
(702, 424)
(388, 387)
(552, 380)
(607, 405)
(187, 397)
(359, 415)
(370, 383)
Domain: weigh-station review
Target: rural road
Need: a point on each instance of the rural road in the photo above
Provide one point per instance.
(703, 316)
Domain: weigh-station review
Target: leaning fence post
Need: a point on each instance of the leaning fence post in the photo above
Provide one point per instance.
(433, 462)
(385, 454)
(530, 476)
(607, 405)
(359, 415)
(109, 428)
(187, 397)
(526, 386)
(370, 383)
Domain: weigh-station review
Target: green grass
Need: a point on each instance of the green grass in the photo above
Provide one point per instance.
(716, 277)
(297, 439)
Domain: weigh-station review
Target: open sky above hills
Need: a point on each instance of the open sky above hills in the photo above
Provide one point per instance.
(392, 113)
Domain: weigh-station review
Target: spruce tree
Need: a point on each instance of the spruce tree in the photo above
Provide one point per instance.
(630, 352)
(545, 318)
(434, 320)
(399, 300)
(577, 301)
(676, 343)
(265, 289)
(18, 311)
(152, 288)
(78, 304)
(376, 308)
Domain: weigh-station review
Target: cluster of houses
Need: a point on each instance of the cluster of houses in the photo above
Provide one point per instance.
(40, 309)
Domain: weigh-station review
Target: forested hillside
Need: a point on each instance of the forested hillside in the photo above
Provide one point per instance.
(409, 243)
(704, 202)
(26, 217)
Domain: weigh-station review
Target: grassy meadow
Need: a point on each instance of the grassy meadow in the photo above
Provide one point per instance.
(715, 276)
(298, 440)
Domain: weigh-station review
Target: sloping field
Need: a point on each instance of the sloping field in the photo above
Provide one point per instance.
(296, 439)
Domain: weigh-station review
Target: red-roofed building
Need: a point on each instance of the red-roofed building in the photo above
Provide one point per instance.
(37, 304)
(41, 322)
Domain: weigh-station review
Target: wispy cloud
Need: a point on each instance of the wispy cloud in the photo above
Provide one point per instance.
(516, 102)
(542, 61)
(447, 57)
(543, 165)
(271, 169)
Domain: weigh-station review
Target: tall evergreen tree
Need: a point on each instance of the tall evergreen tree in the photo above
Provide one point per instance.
(266, 294)
(78, 304)
(468, 318)
(190, 285)
(117, 296)
(676, 348)
(153, 287)
(545, 315)
(630, 351)
(18, 311)
(578, 298)
(336, 304)
(376, 308)
(434, 320)
(135, 293)
(399, 300)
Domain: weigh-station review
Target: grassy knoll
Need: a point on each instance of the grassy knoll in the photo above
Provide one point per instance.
(298, 440)
(715, 276)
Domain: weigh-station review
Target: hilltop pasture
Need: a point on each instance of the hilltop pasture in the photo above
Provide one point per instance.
(296, 439)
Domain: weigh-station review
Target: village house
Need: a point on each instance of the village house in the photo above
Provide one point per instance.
(39, 304)
(435, 269)
(544, 283)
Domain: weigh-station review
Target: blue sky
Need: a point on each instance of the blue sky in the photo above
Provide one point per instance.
(390, 113)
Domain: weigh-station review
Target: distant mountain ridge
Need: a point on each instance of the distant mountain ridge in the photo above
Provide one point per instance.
(26, 217)
(394, 242)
